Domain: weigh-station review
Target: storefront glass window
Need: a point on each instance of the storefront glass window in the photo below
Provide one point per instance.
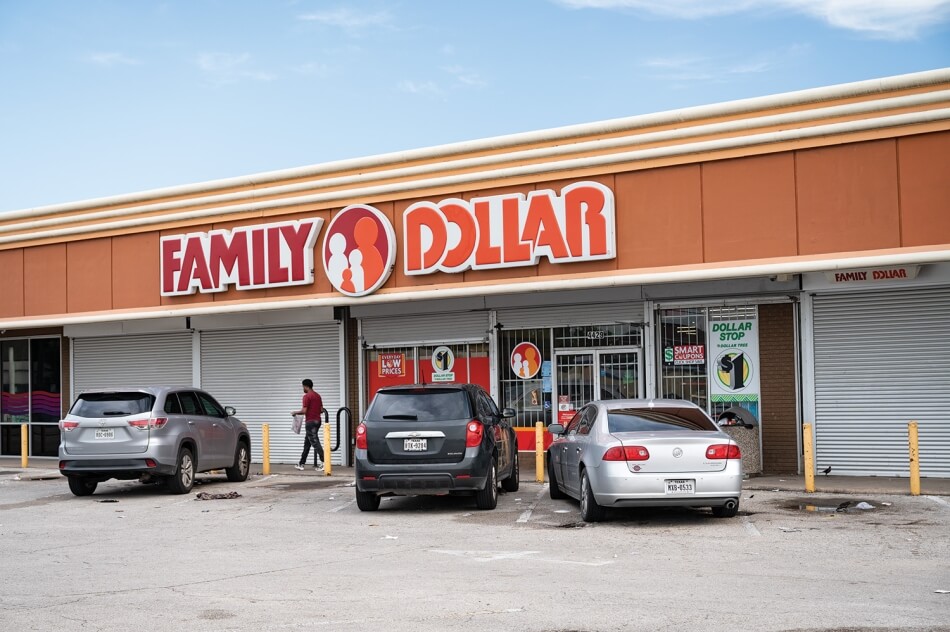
(595, 336)
(30, 383)
(683, 355)
(524, 374)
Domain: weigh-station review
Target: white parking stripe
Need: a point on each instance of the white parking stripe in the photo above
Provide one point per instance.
(526, 515)
(938, 500)
(343, 506)
(751, 528)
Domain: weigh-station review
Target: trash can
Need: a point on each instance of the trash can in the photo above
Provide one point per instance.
(740, 424)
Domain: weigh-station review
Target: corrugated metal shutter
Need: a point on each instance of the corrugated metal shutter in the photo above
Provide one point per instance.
(128, 361)
(575, 314)
(882, 360)
(448, 327)
(258, 371)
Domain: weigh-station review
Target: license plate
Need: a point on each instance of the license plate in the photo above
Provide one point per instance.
(414, 445)
(681, 486)
(105, 433)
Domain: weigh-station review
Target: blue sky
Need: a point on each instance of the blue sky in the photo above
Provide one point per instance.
(104, 97)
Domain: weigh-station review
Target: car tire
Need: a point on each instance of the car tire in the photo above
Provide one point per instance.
(555, 490)
(367, 501)
(726, 512)
(183, 479)
(82, 486)
(590, 510)
(238, 472)
(513, 482)
(487, 498)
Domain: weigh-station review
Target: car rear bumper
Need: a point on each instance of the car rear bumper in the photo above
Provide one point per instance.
(615, 486)
(104, 469)
(467, 475)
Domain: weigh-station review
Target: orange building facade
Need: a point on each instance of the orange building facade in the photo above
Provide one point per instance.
(789, 255)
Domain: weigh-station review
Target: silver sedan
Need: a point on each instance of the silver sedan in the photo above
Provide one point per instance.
(644, 453)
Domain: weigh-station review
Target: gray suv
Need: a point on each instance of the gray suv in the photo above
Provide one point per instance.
(154, 434)
(435, 439)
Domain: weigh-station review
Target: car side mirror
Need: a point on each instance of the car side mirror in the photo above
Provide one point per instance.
(556, 429)
(508, 413)
(230, 411)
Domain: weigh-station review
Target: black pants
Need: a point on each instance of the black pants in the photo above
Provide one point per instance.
(312, 438)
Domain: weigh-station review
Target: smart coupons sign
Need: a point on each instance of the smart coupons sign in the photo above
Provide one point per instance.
(360, 246)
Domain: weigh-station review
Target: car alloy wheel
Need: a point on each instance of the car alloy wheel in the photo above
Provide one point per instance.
(590, 510)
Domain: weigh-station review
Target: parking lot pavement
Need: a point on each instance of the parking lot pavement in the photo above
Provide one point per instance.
(294, 552)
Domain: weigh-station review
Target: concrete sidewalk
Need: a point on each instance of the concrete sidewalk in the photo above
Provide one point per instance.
(42, 468)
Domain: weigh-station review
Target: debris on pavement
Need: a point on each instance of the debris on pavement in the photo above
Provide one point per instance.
(864, 505)
(207, 496)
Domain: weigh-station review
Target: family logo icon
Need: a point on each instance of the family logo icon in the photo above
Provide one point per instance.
(525, 360)
(359, 250)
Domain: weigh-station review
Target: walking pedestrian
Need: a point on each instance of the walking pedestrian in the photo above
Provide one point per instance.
(312, 409)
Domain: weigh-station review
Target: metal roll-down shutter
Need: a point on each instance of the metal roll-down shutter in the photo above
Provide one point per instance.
(882, 360)
(258, 372)
(130, 361)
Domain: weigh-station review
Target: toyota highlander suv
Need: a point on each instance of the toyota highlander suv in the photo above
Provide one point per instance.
(435, 439)
(157, 434)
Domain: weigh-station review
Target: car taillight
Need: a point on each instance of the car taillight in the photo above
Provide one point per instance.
(67, 426)
(627, 453)
(361, 443)
(145, 424)
(474, 432)
(723, 451)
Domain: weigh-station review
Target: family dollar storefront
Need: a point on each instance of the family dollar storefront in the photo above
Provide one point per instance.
(682, 254)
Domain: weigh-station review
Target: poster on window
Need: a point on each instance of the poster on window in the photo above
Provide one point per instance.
(734, 363)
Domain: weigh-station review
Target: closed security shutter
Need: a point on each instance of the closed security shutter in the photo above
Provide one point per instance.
(881, 361)
(258, 372)
(132, 361)
(565, 315)
(441, 328)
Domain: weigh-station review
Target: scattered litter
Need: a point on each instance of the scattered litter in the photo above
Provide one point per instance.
(466, 515)
(776, 490)
(332, 498)
(751, 496)
(17, 477)
(120, 516)
(517, 500)
(942, 592)
(789, 530)
(781, 480)
(207, 496)
(205, 511)
(391, 537)
(886, 504)
(864, 505)
(562, 511)
(107, 500)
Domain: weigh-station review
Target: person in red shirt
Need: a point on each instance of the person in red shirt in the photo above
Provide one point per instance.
(312, 409)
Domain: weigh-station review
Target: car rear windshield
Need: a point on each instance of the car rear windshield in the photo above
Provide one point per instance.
(420, 405)
(657, 420)
(112, 404)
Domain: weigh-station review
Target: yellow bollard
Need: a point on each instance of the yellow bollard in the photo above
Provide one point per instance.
(539, 451)
(914, 459)
(809, 441)
(327, 466)
(265, 446)
(24, 445)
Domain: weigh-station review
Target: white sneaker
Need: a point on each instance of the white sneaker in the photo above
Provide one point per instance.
(298, 467)
(318, 466)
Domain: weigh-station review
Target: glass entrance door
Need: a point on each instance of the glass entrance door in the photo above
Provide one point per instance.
(583, 376)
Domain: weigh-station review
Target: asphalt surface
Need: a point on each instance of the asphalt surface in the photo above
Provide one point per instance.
(292, 551)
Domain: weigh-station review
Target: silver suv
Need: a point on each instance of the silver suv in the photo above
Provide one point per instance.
(151, 434)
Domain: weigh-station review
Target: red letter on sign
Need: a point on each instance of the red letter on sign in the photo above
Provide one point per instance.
(423, 220)
(586, 205)
(225, 256)
(457, 213)
(542, 228)
(171, 263)
(194, 267)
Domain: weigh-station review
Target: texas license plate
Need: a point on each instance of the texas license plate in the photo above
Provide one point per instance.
(105, 433)
(415, 445)
(680, 486)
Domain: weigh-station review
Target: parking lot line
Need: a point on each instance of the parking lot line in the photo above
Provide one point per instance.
(751, 528)
(341, 507)
(939, 501)
(526, 514)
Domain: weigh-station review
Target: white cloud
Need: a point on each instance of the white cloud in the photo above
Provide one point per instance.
(420, 87)
(230, 68)
(718, 69)
(347, 18)
(112, 59)
(888, 19)
(465, 76)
